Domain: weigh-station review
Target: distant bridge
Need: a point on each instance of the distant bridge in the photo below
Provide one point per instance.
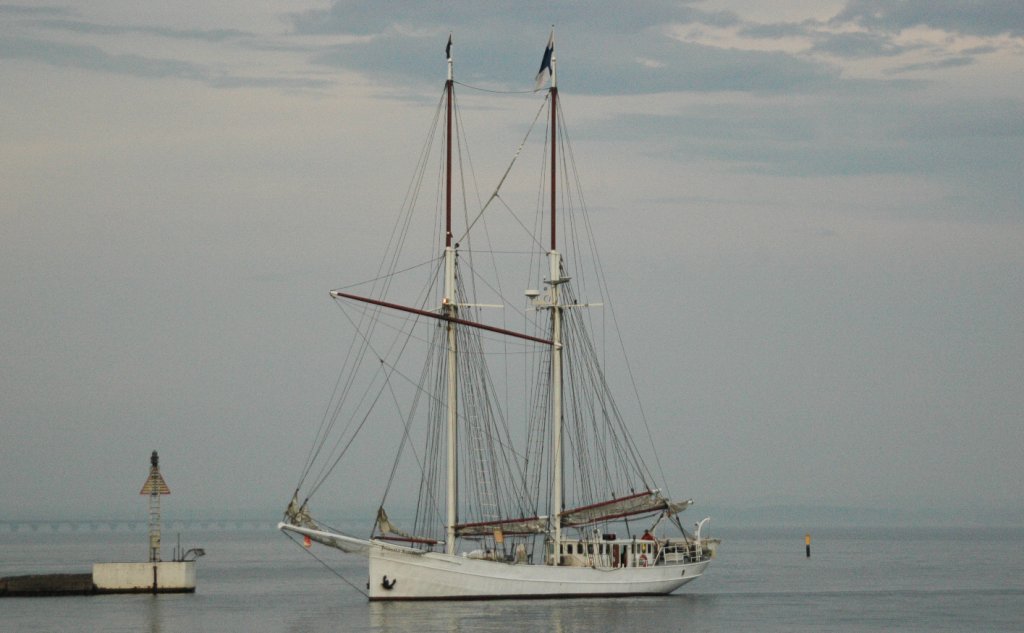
(64, 526)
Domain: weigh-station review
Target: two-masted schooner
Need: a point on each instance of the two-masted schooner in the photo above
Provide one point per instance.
(550, 500)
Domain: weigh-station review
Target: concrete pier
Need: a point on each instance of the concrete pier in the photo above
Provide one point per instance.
(159, 577)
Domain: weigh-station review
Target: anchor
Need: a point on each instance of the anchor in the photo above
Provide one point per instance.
(388, 584)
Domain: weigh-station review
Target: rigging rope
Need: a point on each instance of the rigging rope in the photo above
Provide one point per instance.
(501, 182)
(389, 275)
(394, 247)
(406, 438)
(603, 287)
(500, 92)
(328, 567)
(593, 414)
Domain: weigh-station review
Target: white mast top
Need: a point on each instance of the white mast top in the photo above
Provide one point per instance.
(448, 51)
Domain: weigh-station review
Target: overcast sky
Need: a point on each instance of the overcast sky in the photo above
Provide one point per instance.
(813, 212)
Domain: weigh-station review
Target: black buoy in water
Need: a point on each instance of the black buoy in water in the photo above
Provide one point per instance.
(807, 540)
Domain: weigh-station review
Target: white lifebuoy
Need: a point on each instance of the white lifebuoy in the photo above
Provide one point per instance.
(643, 560)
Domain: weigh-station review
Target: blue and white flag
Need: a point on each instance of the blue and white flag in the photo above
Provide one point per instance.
(545, 65)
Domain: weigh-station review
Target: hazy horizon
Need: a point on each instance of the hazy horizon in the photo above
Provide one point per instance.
(768, 516)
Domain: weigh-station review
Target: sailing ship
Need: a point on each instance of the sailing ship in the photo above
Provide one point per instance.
(543, 494)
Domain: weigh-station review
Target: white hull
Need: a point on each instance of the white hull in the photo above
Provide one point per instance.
(435, 576)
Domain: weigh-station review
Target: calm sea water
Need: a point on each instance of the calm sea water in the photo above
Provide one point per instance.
(257, 580)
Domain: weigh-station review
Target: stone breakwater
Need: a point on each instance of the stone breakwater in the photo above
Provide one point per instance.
(47, 585)
(158, 577)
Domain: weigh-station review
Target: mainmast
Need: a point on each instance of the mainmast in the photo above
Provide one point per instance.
(448, 306)
(555, 280)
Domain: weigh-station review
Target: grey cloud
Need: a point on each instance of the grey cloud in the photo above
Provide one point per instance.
(711, 18)
(341, 17)
(75, 26)
(848, 45)
(94, 58)
(991, 17)
(807, 153)
(22, 10)
(862, 157)
(981, 50)
(778, 30)
(871, 128)
(950, 62)
(964, 120)
(724, 123)
(857, 45)
(884, 18)
(521, 18)
(593, 66)
(285, 83)
(691, 67)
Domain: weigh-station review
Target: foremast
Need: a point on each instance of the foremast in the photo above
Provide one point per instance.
(449, 307)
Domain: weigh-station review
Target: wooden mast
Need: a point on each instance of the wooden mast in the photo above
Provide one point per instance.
(451, 311)
(449, 88)
(554, 144)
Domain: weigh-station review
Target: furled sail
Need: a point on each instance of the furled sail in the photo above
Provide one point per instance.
(640, 503)
(298, 515)
(391, 533)
(532, 525)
